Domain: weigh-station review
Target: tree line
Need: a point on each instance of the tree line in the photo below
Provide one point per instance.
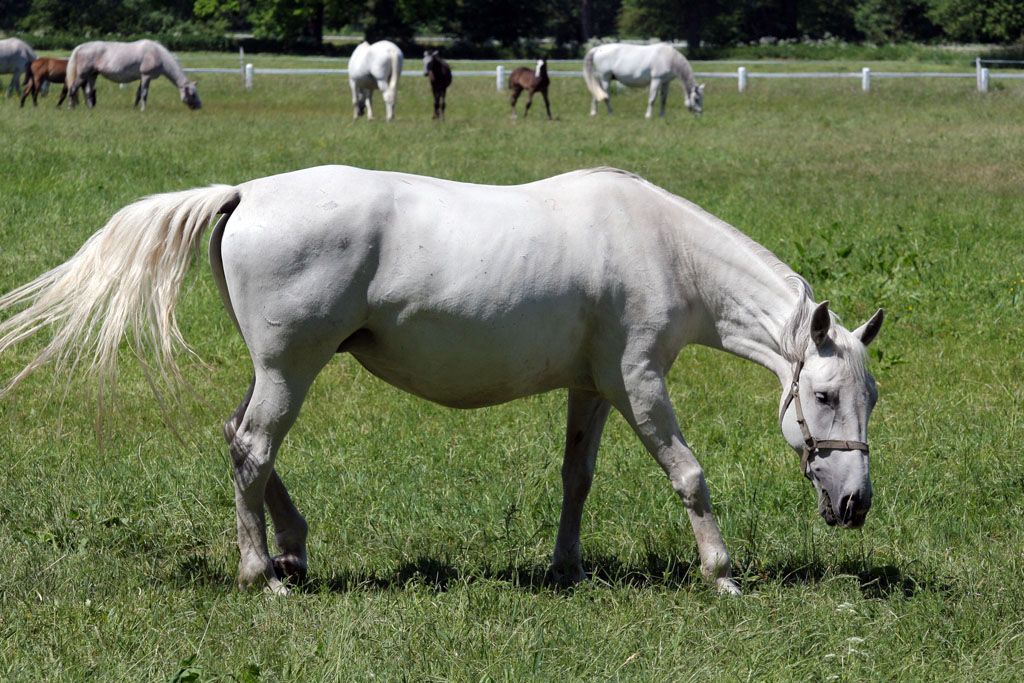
(509, 22)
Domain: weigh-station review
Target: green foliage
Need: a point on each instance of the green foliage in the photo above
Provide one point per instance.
(894, 21)
(996, 21)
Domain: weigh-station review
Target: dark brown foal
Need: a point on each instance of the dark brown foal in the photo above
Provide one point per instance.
(39, 72)
(532, 81)
(440, 75)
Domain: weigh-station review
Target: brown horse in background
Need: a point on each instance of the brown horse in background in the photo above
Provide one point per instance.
(44, 70)
(532, 81)
(440, 75)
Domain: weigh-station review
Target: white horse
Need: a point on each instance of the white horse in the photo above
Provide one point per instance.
(638, 66)
(15, 56)
(468, 295)
(140, 61)
(374, 67)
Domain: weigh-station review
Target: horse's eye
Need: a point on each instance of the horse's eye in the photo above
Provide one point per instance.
(823, 398)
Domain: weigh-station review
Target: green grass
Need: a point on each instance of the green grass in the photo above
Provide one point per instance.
(431, 528)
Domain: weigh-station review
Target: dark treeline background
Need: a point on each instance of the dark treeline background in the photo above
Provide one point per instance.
(290, 24)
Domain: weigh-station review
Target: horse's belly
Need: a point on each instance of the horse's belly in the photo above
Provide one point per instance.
(467, 365)
(125, 76)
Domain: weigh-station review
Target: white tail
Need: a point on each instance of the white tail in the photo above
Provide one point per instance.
(71, 72)
(396, 70)
(588, 75)
(124, 280)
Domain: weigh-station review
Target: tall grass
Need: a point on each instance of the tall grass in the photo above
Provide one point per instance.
(430, 527)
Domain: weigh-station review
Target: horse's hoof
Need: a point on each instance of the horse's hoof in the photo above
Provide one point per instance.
(290, 567)
(567, 576)
(727, 586)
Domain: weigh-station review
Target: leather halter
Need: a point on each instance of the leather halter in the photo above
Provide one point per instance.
(812, 445)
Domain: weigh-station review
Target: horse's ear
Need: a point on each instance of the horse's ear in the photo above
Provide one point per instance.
(821, 321)
(869, 330)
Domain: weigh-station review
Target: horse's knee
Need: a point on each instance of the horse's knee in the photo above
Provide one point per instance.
(689, 484)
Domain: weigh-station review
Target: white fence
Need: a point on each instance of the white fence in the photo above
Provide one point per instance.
(982, 75)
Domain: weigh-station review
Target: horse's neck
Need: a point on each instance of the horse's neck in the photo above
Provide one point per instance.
(684, 71)
(747, 293)
(171, 69)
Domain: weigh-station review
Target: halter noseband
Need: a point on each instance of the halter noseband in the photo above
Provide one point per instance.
(812, 445)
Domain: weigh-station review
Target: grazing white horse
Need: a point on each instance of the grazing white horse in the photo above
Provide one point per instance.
(140, 61)
(15, 56)
(638, 66)
(374, 67)
(468, 295)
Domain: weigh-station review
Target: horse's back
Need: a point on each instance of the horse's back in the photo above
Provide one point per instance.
(464, 294)
(15, 54)
(374, 62)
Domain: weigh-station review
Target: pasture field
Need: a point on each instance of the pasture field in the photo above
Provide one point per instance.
(431, 528)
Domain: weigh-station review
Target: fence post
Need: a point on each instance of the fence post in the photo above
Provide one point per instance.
(977, 71)
(983, 81)
(241, 62)
(865, 79)
(499, 80)
(741, 78)
(248, 76)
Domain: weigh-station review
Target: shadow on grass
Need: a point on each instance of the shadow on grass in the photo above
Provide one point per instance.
(875, 582)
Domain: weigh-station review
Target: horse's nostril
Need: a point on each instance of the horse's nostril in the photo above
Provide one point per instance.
(848, 507)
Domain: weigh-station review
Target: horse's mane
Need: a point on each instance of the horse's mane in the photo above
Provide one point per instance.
(795, 336)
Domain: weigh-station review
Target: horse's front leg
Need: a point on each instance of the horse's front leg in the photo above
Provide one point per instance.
(138, 96)
(652, 94)
(547, 104)
(63, 95)
(12, 87)
(529, 102)
(648, 409)
(664, 98)
(587, 415)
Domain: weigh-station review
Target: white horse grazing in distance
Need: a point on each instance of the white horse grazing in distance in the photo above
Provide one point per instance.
(15, 56)
(469, 296)
(638, 66)
(374, 67)
(140, 61)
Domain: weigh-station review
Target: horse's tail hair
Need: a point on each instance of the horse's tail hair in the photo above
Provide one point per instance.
(396, 69)
(588, 75)
(71, 72)
(124, 281)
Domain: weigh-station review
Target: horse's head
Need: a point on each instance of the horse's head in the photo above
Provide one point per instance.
(824, 413)
(428, 57)
(695, 100)
(190, 96)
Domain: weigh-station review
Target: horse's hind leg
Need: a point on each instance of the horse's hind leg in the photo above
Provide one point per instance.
(648, 409)
(30, 88)
(290, 528)
(587, 415)
(277, 395)
(517, 90)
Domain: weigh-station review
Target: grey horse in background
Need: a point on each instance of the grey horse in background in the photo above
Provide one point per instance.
(141, 61)
(15, 56)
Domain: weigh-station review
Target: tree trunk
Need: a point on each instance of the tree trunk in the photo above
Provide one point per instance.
(315, 23)
(585, 20)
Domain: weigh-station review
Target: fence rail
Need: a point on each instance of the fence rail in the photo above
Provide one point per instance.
(982, 75)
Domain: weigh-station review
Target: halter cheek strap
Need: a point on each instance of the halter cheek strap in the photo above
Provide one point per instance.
(812, 445)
